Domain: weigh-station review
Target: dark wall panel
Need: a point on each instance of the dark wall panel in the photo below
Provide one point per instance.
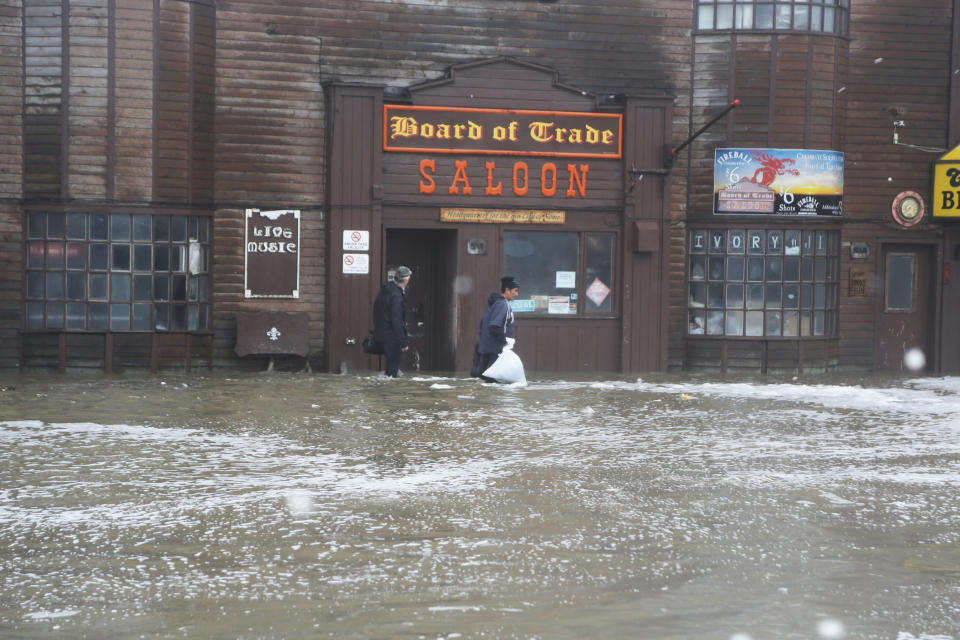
(203, 103)
(133, 108)
(45, 103)
(355, 169)
(173, 93)
(89, 93)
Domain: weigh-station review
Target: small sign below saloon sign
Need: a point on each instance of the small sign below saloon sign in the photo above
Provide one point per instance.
(782, 182)
(513, 132)
(271, 257)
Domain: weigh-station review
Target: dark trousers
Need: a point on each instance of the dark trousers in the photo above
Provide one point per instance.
(394, 353)
(488, 360)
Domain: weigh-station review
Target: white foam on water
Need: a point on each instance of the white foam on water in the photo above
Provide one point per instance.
(608, 448)
(51, 615)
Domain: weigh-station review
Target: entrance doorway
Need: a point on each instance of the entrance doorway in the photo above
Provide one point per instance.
(907, 314)
(431, 302)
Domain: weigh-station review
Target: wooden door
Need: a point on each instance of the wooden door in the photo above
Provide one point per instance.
(429, 296)
(907, 313)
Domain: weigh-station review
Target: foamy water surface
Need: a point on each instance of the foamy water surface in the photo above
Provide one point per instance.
(293, 505)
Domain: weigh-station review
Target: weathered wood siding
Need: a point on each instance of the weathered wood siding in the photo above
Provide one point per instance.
(897, 58)
(789, 89)
(11, 179)
(354, 163)
(168, 104)
(45, 87)
(87, 118)
(825, 92)
(615, 45)
(118, 109)
(270, 148)
(133, 143)
(184, 81)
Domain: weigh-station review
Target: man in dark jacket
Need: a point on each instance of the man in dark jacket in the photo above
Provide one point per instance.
(390, 320)
(497, 323)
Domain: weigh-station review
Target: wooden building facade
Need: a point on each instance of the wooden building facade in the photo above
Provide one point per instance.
(577, 146)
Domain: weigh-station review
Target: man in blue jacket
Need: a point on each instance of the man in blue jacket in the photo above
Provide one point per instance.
(497, 323)
(390, 320)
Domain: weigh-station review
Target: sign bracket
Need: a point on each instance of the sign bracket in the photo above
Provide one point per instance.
(669, 155)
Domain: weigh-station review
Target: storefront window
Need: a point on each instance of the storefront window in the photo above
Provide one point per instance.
(118, 272)
(560, 273)
(763, 282)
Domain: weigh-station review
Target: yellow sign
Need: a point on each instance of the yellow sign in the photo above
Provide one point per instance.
(946, 185)
(503, 216)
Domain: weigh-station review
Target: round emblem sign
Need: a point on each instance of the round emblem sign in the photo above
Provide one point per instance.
(908, 208)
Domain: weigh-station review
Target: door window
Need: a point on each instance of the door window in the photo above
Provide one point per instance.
(901, 281)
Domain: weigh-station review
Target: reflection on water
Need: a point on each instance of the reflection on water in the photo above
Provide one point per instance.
(295, 505)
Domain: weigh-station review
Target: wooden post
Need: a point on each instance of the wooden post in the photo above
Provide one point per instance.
(108, 353)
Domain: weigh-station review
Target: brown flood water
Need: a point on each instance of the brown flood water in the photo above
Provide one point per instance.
(229, 505)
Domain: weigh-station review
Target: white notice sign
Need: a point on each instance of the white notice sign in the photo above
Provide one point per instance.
(356, 263)
(566, 279)
(559, 304)
(356, 240)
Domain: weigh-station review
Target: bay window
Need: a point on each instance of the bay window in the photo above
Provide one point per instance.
(825, 16)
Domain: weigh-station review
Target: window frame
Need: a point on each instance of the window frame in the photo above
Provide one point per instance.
(94, 259)
(913, 282)
(581, 284)
(828, 283)
(841, 17)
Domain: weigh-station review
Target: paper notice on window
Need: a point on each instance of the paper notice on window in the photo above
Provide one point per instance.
(523, 306)
(559, 304)
(566, 280)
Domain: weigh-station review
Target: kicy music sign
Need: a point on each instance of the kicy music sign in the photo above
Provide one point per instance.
(271, 257)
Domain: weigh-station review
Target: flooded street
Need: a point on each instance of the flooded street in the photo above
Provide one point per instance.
(281, 505)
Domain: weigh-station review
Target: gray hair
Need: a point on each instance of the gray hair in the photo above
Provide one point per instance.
(401, 273)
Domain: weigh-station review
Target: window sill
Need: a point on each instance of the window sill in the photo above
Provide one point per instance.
(691, 336)
(770, 32)
(567, 316)
(106, 331)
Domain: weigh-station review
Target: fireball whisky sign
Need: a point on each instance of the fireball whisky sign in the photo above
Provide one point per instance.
(562, 134)
(783, 182)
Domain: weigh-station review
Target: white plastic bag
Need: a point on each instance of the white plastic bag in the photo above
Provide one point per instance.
(508, 367)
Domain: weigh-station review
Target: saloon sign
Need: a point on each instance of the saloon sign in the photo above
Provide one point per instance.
(784, 182)
(564, 140)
